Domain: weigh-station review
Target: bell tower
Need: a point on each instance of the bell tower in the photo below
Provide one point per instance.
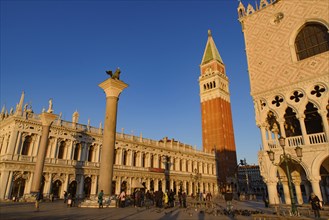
(217, 125)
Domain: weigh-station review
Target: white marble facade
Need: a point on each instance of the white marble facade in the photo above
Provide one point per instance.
(287, 51)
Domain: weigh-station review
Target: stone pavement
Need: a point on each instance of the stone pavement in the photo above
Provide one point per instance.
(59, 210)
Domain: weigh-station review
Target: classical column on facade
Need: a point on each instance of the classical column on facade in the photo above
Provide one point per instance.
(93, 191)
(286, 192)
(119, 155)
(5, 178)
(163, 181)
(171, 184)
(70, 150)
(5, 144)
(156, 184)
(28, 184)
(301, 118)
(315, 181)
(324, 118)
(272, 192)
(298, 192)
(148, 184)
(118, 185)
(48, 184)
(81, 183)
(112, 88)
(263, 134)
(47, 119)
(282, 129)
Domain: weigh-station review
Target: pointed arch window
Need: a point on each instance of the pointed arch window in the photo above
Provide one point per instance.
(313, 120)
(26, 145)
(312, 39)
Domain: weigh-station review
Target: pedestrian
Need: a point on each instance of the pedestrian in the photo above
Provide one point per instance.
(165, 199)
(100, 199)
(122, 199)
(38, 199)
(180, 199)
(51, 197)
(184, 199)
(228, 198)
(65, 196)
(316, 205)
(69, 200)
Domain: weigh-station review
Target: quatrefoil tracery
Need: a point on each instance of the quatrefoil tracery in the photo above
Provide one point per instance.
(296, 96)
(277, 101)
(318, 90)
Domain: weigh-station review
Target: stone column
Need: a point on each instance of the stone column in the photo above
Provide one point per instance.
(316, 186)
(286, 192)
(272, 192)
(112, 89)
(298, 192)
(301, 118)
(5, 181)
(264, 139)
(46, 120)
(81, 183)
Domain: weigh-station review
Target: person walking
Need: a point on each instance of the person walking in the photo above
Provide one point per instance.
(100, 199)
(315, 204)
(65, 196)
(38, 199)
(122, 199)
(228, 198)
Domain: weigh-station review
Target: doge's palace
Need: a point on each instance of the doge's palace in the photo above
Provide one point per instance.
(287, 48)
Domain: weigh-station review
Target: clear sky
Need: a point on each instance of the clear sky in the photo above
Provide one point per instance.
(61, 50)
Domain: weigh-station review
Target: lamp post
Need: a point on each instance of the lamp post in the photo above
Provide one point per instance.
(196, 177)
(285, 158)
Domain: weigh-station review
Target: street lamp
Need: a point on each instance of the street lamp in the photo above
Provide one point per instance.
(285, 158)
(196, 177)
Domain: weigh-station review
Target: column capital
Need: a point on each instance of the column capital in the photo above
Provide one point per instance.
(113, 87)
(301, 116)
(47, 118)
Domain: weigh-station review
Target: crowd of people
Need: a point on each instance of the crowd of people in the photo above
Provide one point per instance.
(159, 199)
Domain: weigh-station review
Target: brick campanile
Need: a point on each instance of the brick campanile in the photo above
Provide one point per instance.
(217, 125)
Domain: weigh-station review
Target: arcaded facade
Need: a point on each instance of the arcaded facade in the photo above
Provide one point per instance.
(73, 159)
(287, 48)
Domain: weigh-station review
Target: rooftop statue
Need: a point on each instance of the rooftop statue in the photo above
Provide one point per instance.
(115, 75)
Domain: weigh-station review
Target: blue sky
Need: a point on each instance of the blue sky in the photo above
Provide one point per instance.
(61, 50)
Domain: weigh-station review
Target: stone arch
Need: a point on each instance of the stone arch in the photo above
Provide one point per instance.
(298, 28)
(57, 187)
(72, 188)
(313, 120)
(292, 125)
(318, 161)
(87, 186)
